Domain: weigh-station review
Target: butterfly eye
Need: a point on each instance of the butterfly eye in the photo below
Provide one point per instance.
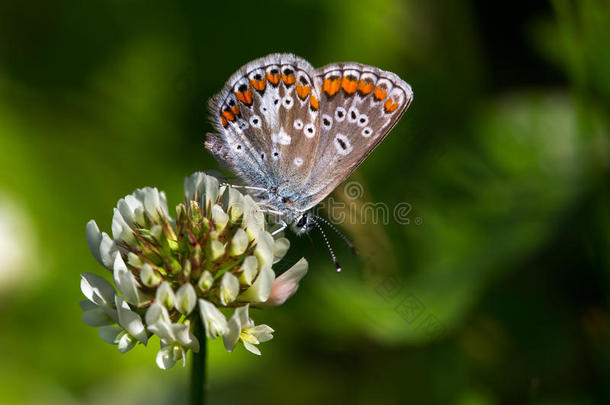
(302, 221)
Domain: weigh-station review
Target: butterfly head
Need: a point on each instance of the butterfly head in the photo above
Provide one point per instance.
(302, 223)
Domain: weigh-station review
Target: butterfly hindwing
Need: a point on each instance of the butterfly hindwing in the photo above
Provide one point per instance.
(267, 116)
(359, 105)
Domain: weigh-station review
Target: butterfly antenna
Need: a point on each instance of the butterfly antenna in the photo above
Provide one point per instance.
(338, 232)
(330, 249)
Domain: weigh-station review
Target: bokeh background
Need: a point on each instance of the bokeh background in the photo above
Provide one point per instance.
(495, 291)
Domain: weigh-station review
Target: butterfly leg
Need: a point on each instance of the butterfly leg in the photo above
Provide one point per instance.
(283, 226)
(244, 187)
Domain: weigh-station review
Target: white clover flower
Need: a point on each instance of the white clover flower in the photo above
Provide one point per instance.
(165, 295)
(214, 321)
(176, 338)
(134, 210)
(102, 247)
(261, 288)
(215, 254)
(280, 248)
(229, 288)
(99, 309)
(126, 282)
(186, 299)
(105, 308)
(287, 284)
(241, 327)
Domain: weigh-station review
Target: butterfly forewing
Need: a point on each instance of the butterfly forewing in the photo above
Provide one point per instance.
(267, 117)
(359, 105)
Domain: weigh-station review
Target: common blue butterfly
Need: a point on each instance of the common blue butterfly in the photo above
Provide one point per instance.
(294, 133)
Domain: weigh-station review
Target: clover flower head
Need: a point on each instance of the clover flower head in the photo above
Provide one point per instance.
(215, 255)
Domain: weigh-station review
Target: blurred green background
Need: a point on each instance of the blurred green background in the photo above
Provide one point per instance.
(496, 291)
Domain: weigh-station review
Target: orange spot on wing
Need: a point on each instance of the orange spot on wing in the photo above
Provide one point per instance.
(303, 91)
(259, 84)
(313, 103)
(235, 110)
(228, 115)
(379, 93)
(245, 97)
(390, 106)
(274, 79)
(288, 80)
(365, 87)
(349, 86)
(223, 121)
(331, 87)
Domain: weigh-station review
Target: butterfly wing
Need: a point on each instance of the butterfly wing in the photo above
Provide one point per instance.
(267, 119)
(359, 105)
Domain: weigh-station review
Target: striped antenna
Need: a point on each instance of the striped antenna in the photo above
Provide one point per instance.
(330, 249)
(338, 232)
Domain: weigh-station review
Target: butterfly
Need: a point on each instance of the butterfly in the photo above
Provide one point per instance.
(293, 133)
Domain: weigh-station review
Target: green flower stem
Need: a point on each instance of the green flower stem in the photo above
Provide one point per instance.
(198, 374)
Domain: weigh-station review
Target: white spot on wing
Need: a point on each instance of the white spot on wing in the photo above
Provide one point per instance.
(298, 161)
(309, 131)
(298, 124)
(255, 121)
(257, 74)
(287, 102)
(366, 132)
(281, 137)
(353, 114)
(276, 102)
(242, 85)
(342, 144)
(327, 122)
(242, 124)
(363, 120)
(340, 114)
